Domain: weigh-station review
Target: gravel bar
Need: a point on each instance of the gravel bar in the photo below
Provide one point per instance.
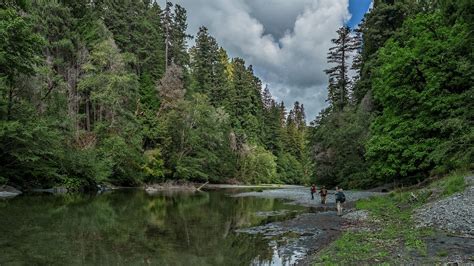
(454, 214)
(302, 195)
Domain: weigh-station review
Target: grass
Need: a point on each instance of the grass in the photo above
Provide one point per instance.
(395, 230)
(451, 184)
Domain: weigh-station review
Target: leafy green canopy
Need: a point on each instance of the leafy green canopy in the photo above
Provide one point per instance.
(425, 84)
(411, 114)
(107, 91)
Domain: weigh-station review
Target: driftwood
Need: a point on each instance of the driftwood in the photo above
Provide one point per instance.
(201, 186)
(413, 197)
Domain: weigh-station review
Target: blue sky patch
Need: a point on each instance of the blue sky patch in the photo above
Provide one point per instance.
(357, 8)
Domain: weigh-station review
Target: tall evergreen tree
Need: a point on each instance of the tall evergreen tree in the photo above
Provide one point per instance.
(339, 82)
(167, 23)
(247, 102)
(178, 53)
(208, 70)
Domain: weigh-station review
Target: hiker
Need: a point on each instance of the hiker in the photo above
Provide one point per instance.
(340, 199)
(313, 190)
(323, 192)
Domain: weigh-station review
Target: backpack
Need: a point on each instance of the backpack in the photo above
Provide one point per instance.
(324, 192)
(342, 197)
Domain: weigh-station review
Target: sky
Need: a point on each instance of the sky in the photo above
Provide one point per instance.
(286, 41)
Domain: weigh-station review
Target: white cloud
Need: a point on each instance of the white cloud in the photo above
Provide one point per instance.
(286, 41)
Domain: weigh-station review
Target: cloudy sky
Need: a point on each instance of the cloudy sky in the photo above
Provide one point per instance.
(286, 41)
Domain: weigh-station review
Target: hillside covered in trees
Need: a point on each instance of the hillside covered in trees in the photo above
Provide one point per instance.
(110, 92)
(408, 111)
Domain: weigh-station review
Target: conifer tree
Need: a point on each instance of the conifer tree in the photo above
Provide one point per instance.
(204, 57)
(339, 82)
(178, 53)
(167, 22)
(221, 79)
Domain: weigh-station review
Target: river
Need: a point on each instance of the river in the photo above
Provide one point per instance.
(131, 227)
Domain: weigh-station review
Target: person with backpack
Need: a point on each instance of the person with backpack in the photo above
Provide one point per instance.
(323, 192)
(313, 190)
(340, 199)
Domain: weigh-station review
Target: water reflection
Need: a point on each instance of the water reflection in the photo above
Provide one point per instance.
(131, 227)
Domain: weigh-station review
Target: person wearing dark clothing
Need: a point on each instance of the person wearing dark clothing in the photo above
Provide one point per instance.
(340, 199)
(323, 192)
(313, 190)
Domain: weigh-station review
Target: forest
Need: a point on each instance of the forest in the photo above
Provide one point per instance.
(108, 91)
(103, 91)
(407, 113)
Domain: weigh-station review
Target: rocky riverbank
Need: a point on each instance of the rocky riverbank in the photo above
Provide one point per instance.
(454, 214)
(428, 225)
(307, 233)
(431, 225)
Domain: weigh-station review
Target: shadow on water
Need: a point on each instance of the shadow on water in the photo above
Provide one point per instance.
(132, 227)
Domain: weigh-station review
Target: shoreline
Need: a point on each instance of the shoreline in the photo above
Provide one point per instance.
(300, 195)
(315, 228)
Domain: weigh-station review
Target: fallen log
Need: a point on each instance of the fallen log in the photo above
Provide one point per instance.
(201, 186)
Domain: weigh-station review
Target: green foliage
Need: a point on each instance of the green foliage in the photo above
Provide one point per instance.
(136, 28)
(96, 93)
(154, 166)
(197, 134)
(339, 151)
(125, 158)
(258, 166)
(338, 55)
(424, 83)
(451, 184)
(19, 54)
(208, 75)
(245, 107)
(289, 169)
(30, 152)
(20, 46)
(83, 169)
(411, 112)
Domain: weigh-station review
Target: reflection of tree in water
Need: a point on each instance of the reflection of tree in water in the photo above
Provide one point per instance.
(201, 226)
(132, 227)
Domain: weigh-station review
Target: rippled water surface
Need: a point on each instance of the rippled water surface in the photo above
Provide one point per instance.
(130, 227)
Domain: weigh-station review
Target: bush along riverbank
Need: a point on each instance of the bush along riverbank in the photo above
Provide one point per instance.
(387, 229)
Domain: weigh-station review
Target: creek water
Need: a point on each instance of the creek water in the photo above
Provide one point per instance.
(131, 227)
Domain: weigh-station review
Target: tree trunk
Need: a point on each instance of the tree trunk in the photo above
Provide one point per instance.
(10, 102)
(88, 115)
(101, 110)
(343, 71)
